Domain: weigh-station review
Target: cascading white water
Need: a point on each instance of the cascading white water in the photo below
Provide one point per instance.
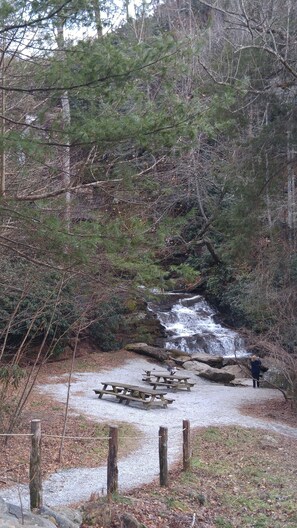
(190, 326)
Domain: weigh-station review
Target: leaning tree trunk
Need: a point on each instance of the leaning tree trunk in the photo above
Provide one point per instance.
(161, 354)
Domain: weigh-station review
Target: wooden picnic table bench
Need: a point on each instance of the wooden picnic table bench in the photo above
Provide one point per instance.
(171, 381)
(125, 393)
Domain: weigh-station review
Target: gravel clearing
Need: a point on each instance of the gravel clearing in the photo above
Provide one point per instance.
(206, 404)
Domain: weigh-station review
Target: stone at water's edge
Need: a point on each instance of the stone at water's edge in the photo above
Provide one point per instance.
(202, 365)
(218, 369)
(212, 361)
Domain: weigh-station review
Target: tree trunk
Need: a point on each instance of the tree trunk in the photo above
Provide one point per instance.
(98, 20)
(161, 354)
(3, 102)
(66, 120)
(142, 348)
(291, 187)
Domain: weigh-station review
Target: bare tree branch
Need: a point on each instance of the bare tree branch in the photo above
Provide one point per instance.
(273, 52)
(58, 192)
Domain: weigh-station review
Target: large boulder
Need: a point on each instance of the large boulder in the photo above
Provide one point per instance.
(218, 375)
(129, 521)
(12, 516)
(230, 361)
(195, 366)
(180, 358)
(212, 374)
(63, 517)
(238, 371)
(205, 371)
(212, 361)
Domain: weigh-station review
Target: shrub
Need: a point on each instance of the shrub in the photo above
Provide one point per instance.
(109, 320)
(41, 306)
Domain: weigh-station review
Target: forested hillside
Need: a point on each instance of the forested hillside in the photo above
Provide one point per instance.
(145, 146)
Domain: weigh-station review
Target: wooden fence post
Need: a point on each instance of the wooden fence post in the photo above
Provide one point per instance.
(35, 466)
(163, 441)
(112, 463)
(186, 445)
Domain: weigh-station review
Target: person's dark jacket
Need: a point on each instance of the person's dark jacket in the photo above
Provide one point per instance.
(256, 368)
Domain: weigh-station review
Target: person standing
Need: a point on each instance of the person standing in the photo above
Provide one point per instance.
(256, 370)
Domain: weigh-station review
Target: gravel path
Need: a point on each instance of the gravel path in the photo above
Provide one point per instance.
(206, 404)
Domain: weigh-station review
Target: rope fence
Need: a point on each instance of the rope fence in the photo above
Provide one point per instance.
(15, 434)
(35, 464)
(66, 437)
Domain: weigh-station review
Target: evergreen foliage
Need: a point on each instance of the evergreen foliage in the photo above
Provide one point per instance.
(36, 308)
(108, 321)
(158, 152)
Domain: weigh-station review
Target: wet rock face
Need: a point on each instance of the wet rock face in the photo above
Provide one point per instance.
(207, 343)
(191, 326)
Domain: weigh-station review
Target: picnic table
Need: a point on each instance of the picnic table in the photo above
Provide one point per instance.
(125, 393)
(171, 381)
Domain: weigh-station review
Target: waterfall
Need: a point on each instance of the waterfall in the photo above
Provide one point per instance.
(190, 326)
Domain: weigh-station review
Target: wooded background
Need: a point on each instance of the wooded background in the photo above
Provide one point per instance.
(148, 145)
